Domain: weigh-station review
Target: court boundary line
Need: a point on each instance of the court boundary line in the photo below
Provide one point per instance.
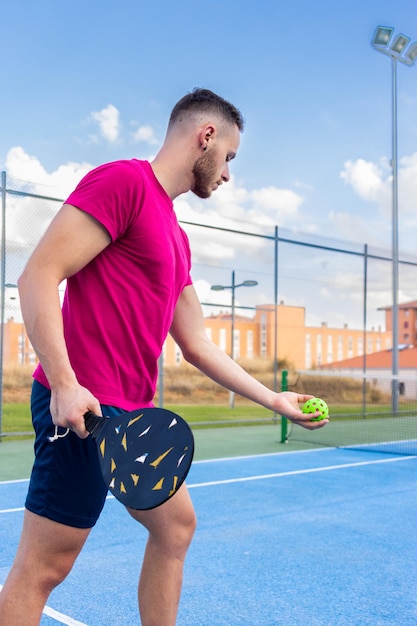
(264, 454)
(20, 509)
(311, 470)
(248, 456)
(299, 471)
(59, 617)
(214, 460)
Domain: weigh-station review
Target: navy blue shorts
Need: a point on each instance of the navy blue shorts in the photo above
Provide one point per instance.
(66, 485)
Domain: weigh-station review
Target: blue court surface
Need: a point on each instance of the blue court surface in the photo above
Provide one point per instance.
(325, 537)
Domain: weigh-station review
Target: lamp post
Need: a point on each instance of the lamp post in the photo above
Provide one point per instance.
(233, 287)
(397, 49)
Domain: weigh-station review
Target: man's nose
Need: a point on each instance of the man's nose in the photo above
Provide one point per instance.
(226, 174)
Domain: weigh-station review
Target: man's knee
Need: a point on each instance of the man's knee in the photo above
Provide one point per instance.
(47, 551)
(184, 529)
(173, 524)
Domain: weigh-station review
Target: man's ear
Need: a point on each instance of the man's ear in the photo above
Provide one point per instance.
(207, 133)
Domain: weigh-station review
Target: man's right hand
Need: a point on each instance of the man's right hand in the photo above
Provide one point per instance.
(69, 405)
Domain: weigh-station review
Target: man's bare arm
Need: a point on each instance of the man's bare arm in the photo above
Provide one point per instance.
(72, 240)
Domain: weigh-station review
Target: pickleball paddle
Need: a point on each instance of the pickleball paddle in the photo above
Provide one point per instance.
(144, 455)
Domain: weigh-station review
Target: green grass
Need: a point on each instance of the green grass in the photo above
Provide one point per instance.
(204, 415)
(16, 417)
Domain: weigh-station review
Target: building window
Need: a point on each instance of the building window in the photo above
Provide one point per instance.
(178, 355)
(236, 344)
(340, 348)
(249, 344)
(263, 335)
(222, 339)
(308, 351)
(350, 347)
(209, 333)
(329, 349)
(319, 351)
(360, 347)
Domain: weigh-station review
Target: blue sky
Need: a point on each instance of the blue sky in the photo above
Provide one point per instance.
(88, 82)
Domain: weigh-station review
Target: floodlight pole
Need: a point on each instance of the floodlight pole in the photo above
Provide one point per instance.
(395, 259)
(2, 289)
(398, 50)
(233, 287)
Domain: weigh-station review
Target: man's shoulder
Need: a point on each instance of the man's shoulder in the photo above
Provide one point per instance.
(127, 165)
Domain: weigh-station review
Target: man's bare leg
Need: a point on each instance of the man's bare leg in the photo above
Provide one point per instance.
(46, 554)
(171, 528)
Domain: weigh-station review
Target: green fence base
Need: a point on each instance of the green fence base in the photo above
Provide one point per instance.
(284, 421)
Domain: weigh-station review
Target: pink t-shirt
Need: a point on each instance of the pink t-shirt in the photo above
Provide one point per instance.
(118, 309)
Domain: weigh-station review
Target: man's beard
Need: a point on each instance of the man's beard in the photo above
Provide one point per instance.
(204, 171)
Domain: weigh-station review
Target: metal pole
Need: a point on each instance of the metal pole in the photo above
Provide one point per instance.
(232, 344)
(275, 315)
(2, 288)
(284, 421)
(365, 307)
(394, 164)
(161, 380)
(276, 310)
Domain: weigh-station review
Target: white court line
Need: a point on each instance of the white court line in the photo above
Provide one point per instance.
(296, 472)
(22, 508)
(16, 480)
(60, 617)
(312, 470)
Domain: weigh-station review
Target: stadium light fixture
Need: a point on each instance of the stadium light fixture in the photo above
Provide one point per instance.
(398, 49)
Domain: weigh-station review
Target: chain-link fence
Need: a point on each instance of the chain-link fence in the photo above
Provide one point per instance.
(338, 284)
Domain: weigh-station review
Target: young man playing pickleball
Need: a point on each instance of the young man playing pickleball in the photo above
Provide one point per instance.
(127, 263)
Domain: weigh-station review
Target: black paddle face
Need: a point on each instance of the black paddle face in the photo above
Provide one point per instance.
(144, 455)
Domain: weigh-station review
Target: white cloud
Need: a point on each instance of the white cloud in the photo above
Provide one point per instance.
(28, 168)
(407, 183)
(366, 178)
(108, 121)
(21, 165)
(256, 209)
(146, 134)
(235, 207)
(372, 182)
(28, 217)
(282, 203)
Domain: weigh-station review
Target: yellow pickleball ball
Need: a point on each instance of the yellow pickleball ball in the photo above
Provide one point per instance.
(316, 404)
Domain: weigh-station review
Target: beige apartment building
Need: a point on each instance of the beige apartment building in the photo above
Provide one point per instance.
(302, 347)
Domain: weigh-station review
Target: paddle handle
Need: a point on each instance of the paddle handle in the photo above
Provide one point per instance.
(93, 421)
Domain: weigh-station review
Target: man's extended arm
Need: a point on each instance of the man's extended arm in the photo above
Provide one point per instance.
(189, 332)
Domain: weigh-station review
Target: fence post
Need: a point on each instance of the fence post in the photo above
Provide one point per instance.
(2, 288)
(284, 421)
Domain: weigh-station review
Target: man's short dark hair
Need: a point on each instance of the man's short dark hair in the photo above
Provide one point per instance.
(205, 100)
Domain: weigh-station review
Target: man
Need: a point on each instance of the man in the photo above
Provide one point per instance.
(127, 264)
